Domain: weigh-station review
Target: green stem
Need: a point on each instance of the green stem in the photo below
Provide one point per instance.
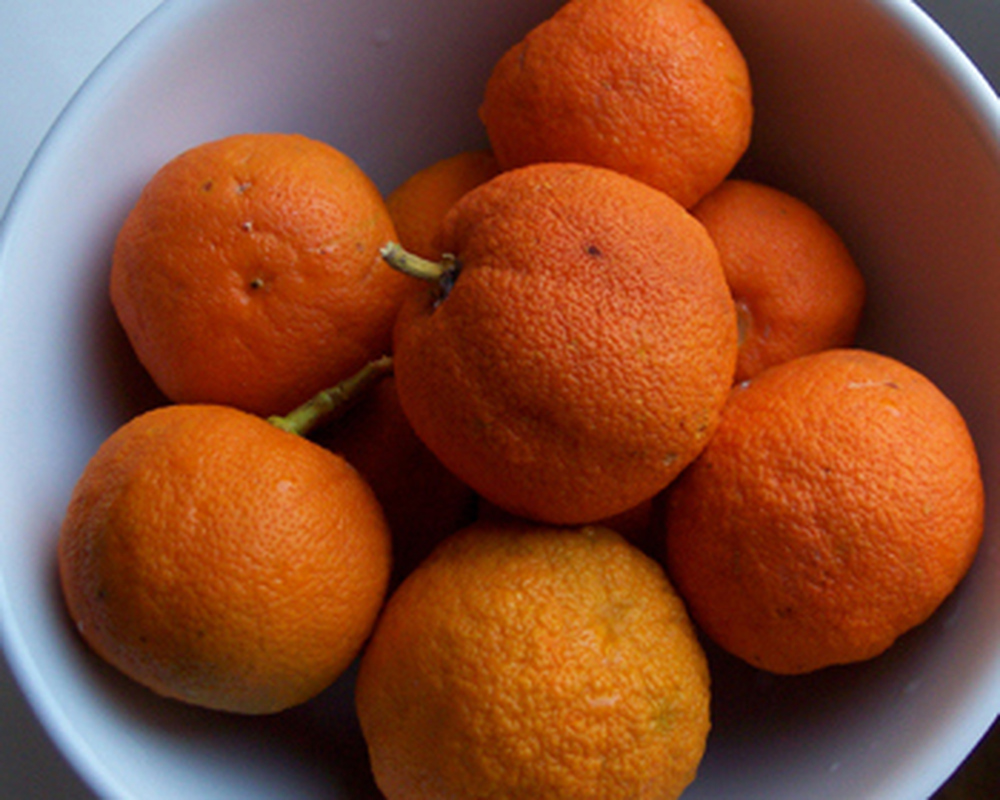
(416, 266)
(332, 403)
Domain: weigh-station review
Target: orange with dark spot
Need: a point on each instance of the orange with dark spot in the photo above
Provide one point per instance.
(248, 272)
(574, 359)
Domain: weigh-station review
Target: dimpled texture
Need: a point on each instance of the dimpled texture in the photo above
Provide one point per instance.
(418, 205)
(524, 662)
(657, 89)
(838, 504)
(248, 272)
(583, 355)
(221, 561)
(796, 286)
(423, 501)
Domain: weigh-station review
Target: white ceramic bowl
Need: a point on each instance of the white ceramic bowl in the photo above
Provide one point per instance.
(865, 109)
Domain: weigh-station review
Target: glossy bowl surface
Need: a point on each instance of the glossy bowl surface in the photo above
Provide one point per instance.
(865, 109)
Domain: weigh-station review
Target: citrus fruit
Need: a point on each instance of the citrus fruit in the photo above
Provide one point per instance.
(838, 504)
(418, 205)
(577, 350)
(657, 89)
(636, 525)
(796, 286)
(423, 501)
(533, 662)
(248, 274)
(221, 561)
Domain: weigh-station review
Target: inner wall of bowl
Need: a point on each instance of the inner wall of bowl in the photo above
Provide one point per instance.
(867, 112)
(853, 115)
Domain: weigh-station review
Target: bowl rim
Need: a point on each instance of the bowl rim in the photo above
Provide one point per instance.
(979, 102)
(981, 99)
(154, 29)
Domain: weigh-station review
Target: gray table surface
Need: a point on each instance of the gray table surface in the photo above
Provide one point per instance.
(55, 44)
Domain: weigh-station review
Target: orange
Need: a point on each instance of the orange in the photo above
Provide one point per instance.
(248, 274)
(838, 504)
(423, 502)
(796, 286)
(656, 89)
(639, 525)
(574, 358)
(221, 561)
(635, 525)
(419, 204)
(525, 662)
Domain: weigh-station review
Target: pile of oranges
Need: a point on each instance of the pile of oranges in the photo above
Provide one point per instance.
(516, 435)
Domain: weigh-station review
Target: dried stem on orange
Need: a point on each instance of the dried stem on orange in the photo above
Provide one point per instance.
(577, 347)
(441, 272)
(331, 403)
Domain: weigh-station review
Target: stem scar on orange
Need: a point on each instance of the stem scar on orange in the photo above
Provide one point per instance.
(796, 286)
(575, 355)
(221, 561)
(247, 274)
(838, 504)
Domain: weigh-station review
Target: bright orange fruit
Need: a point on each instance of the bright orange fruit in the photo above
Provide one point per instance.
(796, 286)
(656, 89)
(418, 205)
(248, 272)
(838, 504)
(528, 662)
(223, 562)
(574, 359)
